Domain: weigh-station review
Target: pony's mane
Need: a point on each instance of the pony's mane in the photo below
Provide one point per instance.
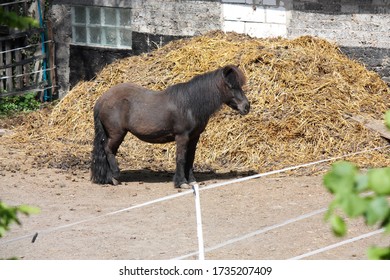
(208, 79)
(202, 94)
(207, 82)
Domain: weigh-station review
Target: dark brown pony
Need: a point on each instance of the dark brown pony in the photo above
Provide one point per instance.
(179, 113)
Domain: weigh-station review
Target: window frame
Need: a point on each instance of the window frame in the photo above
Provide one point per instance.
(102, 26)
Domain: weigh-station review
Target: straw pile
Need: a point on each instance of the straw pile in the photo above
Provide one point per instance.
(300, 92)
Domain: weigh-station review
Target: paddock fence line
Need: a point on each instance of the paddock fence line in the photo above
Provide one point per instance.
(254, 233)
(201, 249)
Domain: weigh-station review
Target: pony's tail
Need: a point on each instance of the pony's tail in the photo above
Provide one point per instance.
(100, 169)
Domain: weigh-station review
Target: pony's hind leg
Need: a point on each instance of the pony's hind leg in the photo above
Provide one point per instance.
(111, 148)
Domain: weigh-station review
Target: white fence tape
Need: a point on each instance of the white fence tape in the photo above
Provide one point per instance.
(257, 232)
(330, 247)
(49, 230)
(291, 168)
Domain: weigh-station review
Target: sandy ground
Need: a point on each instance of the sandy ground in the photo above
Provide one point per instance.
(266, 218)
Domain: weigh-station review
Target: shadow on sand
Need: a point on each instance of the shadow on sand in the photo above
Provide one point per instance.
(151, 176)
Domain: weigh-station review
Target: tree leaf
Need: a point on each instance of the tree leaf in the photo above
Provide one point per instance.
(377, 210)
(387, 119)
(379, 253)
(361, 182)
(27, 210)
(13, 20)
(379, 180)
(3, 230)
(387, 228)
(338, 225)
(332, 206)
(353, 205)
(341, 178)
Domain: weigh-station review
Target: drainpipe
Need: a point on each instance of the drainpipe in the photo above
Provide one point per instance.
(46, 95)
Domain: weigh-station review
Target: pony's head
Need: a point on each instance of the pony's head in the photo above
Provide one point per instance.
(232, 93)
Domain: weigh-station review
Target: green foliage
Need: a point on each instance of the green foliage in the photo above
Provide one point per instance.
(378, 253)
(12, 19)
(379, 180)
(24, 103)
(387, 119)
(9, 215)
(338, 225)
(359, 194)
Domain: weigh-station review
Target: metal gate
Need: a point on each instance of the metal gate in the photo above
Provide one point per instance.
(26, 58)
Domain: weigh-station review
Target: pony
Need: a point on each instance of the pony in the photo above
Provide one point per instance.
(179, 113)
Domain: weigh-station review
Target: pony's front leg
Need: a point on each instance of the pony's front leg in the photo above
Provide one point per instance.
(179, 179)
(189, 172)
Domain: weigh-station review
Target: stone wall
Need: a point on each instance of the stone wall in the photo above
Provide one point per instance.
(177, 18)
(256, 18)
(153, 23)
(360, 27)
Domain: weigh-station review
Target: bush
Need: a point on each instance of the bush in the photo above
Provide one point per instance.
(23, 103)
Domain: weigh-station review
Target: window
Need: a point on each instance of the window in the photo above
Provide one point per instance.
(101, 26)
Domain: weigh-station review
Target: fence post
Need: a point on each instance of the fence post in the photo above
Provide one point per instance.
(2, 71)
(8, 71)
(199, 222)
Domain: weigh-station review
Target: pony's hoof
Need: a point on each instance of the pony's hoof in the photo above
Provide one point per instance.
(115, 182)
(185, 186)
(193, 183)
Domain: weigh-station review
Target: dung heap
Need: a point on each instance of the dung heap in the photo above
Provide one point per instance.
(301, 92)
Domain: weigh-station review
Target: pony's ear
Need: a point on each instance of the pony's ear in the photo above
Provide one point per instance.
(233, 76)
(228, 73)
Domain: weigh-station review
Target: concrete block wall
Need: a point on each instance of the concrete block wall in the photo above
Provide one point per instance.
(350, 23)
(175, 18)
(360, 27)
(256, 18)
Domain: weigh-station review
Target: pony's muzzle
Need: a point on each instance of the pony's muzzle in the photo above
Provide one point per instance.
(244, 109)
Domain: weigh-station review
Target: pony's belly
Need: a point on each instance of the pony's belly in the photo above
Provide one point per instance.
(159, 137)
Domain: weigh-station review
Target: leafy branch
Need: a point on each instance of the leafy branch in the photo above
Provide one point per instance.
(360, 194)
(9, 215)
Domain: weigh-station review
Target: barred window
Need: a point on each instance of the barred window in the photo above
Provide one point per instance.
(101, 26)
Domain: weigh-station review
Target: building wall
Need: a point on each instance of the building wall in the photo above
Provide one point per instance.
(153, 24)
(175, 18)
(360, 27)
(349, 22)
(256, 18)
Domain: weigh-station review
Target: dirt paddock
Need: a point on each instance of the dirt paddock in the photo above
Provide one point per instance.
(266, 218)
(308, 102)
